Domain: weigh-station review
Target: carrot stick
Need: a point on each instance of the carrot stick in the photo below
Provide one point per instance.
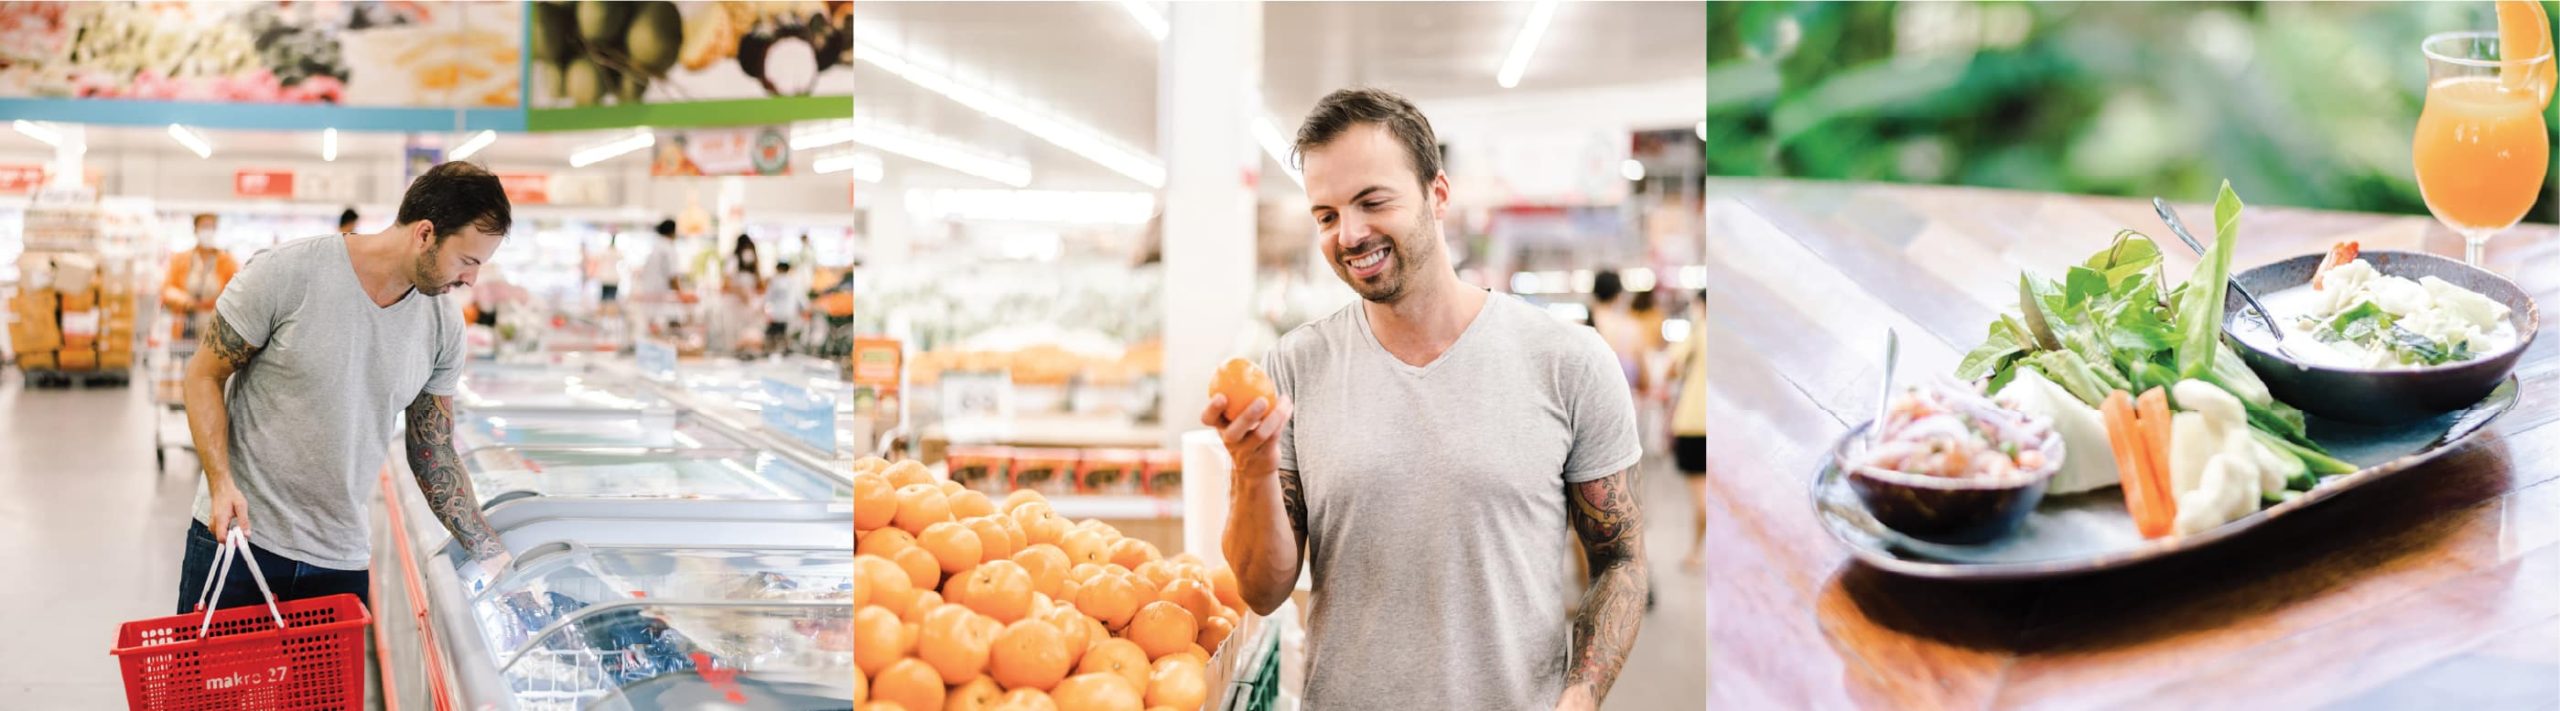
(2153, 411)
(2125, 438)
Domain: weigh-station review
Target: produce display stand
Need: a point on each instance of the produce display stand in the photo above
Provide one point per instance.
(73, 318)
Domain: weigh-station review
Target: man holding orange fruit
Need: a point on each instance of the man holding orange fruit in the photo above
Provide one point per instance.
(1420, 451)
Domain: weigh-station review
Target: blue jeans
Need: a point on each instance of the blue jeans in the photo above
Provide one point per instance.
(288, 578)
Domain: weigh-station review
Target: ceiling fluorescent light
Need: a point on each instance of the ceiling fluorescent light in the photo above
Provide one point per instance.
(609, 150)
(1526, 43)
(821, 136)
(329, 144)
(1011, 171)
(478, 141)
(1048, 126)
(866, 168)
(1148, 16)
(1268, 134)
(40, 132)
(193, 141)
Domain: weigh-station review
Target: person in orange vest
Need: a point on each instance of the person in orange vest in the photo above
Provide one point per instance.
(196, 277)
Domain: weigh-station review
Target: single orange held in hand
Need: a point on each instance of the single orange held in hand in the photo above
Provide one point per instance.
(1243, 382)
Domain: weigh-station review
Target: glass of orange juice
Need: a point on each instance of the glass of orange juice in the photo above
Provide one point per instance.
(2481, 149)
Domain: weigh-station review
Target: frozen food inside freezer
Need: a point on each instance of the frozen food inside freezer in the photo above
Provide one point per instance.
(641, 473)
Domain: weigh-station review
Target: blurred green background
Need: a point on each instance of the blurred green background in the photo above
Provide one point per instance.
(2309, 104)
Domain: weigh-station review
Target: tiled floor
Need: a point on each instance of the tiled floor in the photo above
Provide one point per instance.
(1668, 671)
(78, 492)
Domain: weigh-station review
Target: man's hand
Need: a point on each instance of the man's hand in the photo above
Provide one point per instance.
(1249, 438)
(229, 509)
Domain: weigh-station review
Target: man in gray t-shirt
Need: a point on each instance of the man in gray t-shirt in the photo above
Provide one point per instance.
(1431, 446)
(316, 346)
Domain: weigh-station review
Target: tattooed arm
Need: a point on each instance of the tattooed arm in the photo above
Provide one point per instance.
(209, 420)
(443, 481)
(1606, 518)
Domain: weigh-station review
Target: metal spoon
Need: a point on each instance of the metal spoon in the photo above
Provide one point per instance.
(2179, 227)
(1892, 350)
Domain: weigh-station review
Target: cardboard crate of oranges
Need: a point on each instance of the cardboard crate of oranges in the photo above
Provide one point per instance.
(967, 602)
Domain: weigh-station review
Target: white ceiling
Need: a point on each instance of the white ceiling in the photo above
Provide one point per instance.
(109, 141)
(1091, 62)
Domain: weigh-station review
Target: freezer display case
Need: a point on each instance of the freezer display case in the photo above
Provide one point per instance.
(500, 474)
(663, 428)
(585, 627)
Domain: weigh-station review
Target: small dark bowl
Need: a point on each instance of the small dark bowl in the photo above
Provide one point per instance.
(2379, 396)
(1940, 509)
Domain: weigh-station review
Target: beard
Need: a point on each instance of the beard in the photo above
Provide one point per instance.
(422, 274)
(1409, 252)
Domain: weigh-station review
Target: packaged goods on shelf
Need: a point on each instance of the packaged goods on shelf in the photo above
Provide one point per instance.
(71, 359)
(1110, 472)
(1048, 471)
(1164, 473)
(115, 359)
(36, 360)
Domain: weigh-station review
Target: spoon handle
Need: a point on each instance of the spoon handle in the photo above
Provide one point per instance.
(1884, 400)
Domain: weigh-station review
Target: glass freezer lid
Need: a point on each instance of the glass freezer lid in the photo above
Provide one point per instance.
(572, 576)
(529, 388)
(646, 473)
(598, 428)
(645, 653)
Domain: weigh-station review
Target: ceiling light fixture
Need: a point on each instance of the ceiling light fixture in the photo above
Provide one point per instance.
(615, 148)
(1011, 171)
(1267, 133)
(1525, 44)
(821, 136)
(329, 145)
(866, 167)
(470, 147)
(44, 133)
(192, 140)
(1148, 17)
(1076, 137)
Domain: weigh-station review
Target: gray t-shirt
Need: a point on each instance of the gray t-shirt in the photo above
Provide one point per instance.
(1436, 507)
(313, 415)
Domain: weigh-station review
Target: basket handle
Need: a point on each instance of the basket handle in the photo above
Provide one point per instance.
(222, 558)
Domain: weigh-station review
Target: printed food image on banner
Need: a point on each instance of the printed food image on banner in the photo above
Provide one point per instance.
(763, 151)
(646, 58)
(384, 54)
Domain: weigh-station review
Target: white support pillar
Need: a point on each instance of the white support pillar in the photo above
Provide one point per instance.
(1211, 166)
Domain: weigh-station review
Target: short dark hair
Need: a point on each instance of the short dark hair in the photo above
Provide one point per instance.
(1606, 286)
(784, 267)
(1343, 109)
(666, 228)
(454, 195)
(348, 217)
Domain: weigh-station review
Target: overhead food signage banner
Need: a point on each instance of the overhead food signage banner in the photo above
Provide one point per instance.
(611, 64)
(356, 65)
(413, 66)
(763, 151)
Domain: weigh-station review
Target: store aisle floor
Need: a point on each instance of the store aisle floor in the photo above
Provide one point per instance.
(90, 535)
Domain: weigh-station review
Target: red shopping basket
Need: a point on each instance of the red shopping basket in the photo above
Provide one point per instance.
(303, 654)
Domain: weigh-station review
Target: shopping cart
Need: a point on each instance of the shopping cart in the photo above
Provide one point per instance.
(167, 367)
(312, 658)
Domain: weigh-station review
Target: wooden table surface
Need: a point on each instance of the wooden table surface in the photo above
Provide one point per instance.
(2439, 588)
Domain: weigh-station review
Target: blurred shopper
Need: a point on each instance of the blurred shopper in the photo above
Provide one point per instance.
(657, 295)
(291, 398)
(740, 319)
(786, 304)
(605, 269)
(347, 222)
(196, 279)
(1689, 424)
(1429, 444)
(1618, 326)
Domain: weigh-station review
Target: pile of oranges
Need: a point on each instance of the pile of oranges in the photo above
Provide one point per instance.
(963, 602)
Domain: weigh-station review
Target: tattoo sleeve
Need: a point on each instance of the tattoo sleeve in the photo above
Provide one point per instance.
(1606, 518)
(227, 346)
(441, 477)
(1295, 501)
